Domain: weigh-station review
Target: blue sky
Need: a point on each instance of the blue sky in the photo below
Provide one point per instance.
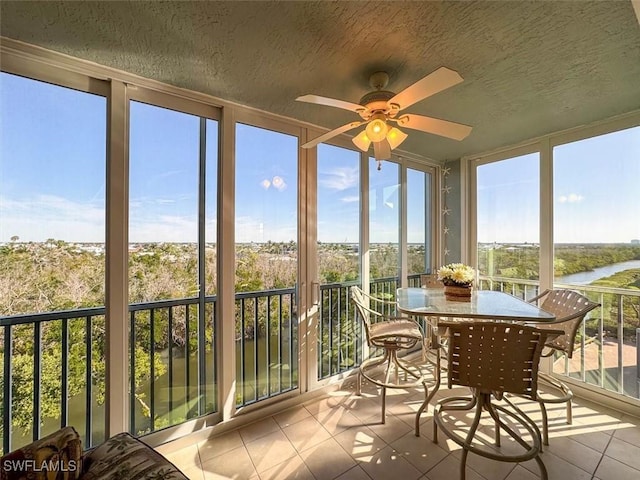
(52, 180)
(596, 184)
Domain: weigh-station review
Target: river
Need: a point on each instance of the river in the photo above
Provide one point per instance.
(584, 278)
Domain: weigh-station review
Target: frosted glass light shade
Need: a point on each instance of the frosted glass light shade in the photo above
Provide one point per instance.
(395, 137)
(362, 141)
(377, 129)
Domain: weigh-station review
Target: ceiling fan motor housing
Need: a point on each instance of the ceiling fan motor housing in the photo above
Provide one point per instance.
(376, 101)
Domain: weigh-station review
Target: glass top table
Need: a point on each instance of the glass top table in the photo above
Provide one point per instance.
(484, 304)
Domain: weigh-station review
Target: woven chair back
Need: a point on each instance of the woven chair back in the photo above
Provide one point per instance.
(570, 309)
(363, 311)
(495, 357)
(430, 280)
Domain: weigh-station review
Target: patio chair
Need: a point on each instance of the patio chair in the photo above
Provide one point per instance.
(430, 280)
(492, 358)
(392, 334)
(570, 309)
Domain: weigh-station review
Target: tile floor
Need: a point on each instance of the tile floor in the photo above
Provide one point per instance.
(340, 436)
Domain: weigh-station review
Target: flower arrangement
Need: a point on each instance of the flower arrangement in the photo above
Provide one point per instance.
(457, 274)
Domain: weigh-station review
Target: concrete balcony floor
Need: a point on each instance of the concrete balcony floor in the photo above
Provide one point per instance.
(340, 436)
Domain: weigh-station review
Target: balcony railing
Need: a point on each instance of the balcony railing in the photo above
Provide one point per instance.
(56, 360)
(54, 380)
(339, 332)
(171, 359)
(607, 353)
(266, 344)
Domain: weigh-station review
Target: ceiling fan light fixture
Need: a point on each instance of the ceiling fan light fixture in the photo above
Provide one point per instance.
(377, 128)
(362, 141)
(395, 137)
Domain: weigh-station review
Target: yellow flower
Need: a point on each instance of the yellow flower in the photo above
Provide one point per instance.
(456, 274)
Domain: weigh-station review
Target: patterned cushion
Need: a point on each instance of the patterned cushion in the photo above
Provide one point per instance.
(55, 457)
(123, 457)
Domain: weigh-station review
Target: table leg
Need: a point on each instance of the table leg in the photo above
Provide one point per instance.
(428, 397)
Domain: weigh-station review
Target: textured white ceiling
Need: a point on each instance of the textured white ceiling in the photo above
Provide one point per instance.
(530, 68)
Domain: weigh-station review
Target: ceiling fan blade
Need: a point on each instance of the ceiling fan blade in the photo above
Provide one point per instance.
(331, 134)
(331, 102)
(444, 128)
(433, 83)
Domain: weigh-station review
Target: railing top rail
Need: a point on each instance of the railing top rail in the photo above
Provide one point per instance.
(95, 311)
(265, 293)
(328, 286)
(49, 316)
(384, 279)
(586, 288)
(519, 281)
(600, 289)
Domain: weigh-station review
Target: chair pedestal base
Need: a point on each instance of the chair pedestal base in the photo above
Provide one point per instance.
(394, 366)
(482, 402)
(566, 395)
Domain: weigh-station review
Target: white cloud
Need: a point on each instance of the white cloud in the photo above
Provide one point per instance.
(50, 216)
(350, 199)
(339, 178)
(571, 198)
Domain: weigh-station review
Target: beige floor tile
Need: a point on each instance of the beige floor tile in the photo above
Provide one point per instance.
(557, 468)
(215, 446)
(588, 413)
(360, 443)
(629, 430)
(193, 473)
(576, 453)
(521, 473)
(258, 429)
(336, 420)
(449, 469)
(366, 409)
(391, 430)
(334, 400)
(270, 450)
(341, 435)
(387, 464)
(306, 433)
(291, 416)
(404, 406)
(421, 452)
(610, 469)
(232, 464)
(487, 467)
(184, 458)
(327, 460)
(355, 473)
(586, 435)
(291, 469)
(624, 452)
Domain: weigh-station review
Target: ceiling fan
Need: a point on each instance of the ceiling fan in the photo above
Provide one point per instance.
(380, 111)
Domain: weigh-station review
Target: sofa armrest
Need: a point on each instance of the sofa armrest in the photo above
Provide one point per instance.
(55, 457)
(123, 456)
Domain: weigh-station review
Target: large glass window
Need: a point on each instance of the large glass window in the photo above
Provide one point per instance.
(171, 318)
(266, 263)
(384, 227)
(338, 214)
(338, 208)
(418, 224)
(597, 247)
(508, 218)
(52, 258)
